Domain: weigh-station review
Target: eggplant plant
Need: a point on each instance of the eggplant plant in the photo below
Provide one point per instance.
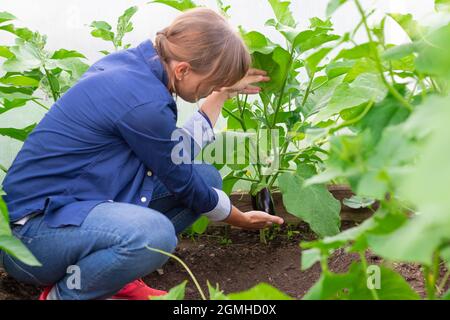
(278, 155)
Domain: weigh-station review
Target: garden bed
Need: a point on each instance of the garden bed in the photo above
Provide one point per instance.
(239, 265)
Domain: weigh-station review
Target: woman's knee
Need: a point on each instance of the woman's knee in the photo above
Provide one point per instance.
(148, 228)
(210, 174)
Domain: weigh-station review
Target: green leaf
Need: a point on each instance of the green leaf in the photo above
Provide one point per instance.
(360, 51)
(215, 293)
(64, 54)
(6, 16)
(282, 12)
(442, 5)
(102, 30)
(23, 33)
(74, 66)
(101, 25)
(13, 247)
(310, 258)
(367, 87)
(277, 66)
(230, 180)
(411, 26)
(313, 61)
(262, 291)
(426, 188)
(314, 204)
(257, 42)
(384, 114)
(333, 5)
(338, 68)
(124, 25)
(399, 52)
(4, 217)
(320, 98)
(363, 65)
(181, 5)
(174, 294)
(354, 286)
(18, 80)
(26, 58)
(201, 225)
(18, 134)
(446, 296)
(5, 53)
(356, 202)
(433, 51)
(307, 41)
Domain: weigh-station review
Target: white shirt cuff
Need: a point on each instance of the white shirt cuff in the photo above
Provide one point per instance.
(223, 208)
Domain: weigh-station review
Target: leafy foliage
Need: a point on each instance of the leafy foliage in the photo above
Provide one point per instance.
(103, 30)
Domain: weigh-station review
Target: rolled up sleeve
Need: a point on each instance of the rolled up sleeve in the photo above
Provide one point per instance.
(200, 129)
(149, 130)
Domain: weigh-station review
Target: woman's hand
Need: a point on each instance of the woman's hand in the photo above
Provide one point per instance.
(253, 220)
(247, 84)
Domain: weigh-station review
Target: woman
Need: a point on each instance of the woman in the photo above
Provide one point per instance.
(96, 183)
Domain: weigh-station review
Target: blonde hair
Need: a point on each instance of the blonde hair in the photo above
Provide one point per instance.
(205, 40)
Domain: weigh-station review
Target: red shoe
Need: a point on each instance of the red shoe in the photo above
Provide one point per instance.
(137, 290)
(45, 293)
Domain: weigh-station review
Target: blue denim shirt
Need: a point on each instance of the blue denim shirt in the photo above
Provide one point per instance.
(105, 140)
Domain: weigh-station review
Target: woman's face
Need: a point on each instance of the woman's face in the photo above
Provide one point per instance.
(189, 85)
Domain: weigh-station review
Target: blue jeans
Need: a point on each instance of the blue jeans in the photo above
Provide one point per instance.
(109, 249)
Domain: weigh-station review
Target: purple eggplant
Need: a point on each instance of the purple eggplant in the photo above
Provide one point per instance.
(263, 201)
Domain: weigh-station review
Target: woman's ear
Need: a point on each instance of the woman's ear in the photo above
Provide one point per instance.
(182, 69)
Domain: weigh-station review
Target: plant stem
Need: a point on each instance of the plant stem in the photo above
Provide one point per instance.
(275, 176)
(308, 90)
(431, 274)
(236, 117)
(354, 120)
(52, 87)
(391, 89)
(202, 294)
(444, 281)
(40, 104)
(3, 168)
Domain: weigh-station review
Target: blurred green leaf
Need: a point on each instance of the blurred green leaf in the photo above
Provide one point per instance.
(354, 285)
(174, 294)
(262, 291)
(367, 87)
(333, 5)
(442, 5)
(15, 248)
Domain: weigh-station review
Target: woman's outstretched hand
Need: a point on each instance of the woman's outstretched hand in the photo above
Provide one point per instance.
(253, 220)
(248, 84)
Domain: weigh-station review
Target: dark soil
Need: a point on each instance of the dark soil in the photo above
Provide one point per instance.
(238, 265)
